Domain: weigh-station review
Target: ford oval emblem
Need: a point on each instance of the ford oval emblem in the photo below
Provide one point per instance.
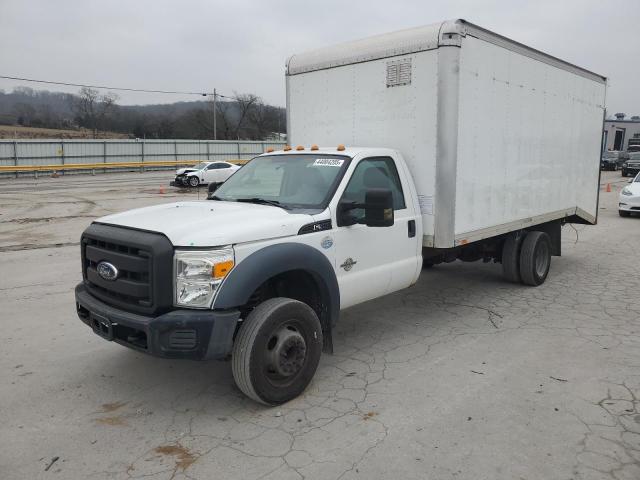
(107, 271)
(327, 242)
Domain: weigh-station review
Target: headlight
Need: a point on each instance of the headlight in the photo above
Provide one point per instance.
(624, 164)
(626, 191)
(198, 274)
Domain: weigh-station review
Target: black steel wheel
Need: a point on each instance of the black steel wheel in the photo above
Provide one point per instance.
(511, 256)
(277, 350)
(535, 258)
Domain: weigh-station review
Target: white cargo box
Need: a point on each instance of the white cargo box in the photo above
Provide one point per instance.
(498, 136)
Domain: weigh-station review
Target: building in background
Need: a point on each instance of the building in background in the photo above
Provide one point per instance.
(621, 133)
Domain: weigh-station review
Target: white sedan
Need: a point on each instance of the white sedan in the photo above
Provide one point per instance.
(629, 200)
(205, 173)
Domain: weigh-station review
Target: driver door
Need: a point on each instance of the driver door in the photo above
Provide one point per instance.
(373, 261)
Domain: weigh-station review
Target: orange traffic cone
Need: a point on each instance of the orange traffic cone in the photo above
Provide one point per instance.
(609, 187)
(161, 190)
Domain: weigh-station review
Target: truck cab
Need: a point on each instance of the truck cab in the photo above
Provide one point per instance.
(295, 234)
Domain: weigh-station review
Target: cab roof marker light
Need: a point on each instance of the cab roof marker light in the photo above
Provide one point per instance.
(287, 148)
(340, 148)
(300, 147)
(314, 147)
(269, 150)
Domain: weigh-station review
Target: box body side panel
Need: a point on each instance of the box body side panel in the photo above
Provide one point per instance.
(528, 139)
(353, 105)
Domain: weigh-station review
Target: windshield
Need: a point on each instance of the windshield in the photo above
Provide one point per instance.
(293, 181)
(610, 155)
(634, 156)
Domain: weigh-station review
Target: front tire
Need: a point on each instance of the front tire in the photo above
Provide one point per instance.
(535, 258)
(624, 172)
(277, 350)
(194, 181)
(624, 213)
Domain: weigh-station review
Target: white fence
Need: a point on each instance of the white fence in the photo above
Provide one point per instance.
(60, 152)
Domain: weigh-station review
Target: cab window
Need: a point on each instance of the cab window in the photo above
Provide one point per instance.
(375, 172)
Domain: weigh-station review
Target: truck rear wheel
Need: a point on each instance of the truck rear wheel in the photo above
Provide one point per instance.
(277, 350)
(535, 258)
(511, 257)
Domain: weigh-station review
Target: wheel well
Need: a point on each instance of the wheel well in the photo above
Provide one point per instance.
(297, 284)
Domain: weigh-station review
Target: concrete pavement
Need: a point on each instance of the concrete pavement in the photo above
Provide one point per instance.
(462, 376)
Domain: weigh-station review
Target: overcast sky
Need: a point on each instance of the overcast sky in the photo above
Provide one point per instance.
(239, 45)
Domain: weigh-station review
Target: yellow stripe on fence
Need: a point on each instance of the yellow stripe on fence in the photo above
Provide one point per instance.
(100, 166)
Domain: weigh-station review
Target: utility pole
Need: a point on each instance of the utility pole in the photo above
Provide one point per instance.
(215, 130)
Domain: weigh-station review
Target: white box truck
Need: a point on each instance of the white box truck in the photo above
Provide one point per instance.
(460, 144)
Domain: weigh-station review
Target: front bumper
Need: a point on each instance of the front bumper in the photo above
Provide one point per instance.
(183, 333)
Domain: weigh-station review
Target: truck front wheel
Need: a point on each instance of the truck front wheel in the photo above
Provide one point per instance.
(535, 258)
(277, 350)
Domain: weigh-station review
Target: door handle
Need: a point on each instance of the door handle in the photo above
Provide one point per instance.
(411, 227)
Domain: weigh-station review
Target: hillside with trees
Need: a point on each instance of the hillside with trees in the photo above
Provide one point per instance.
(243, 117)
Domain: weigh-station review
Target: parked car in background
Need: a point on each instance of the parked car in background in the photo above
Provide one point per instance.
(204, 173)
(613, 160)
(629, 198)
(632, 165)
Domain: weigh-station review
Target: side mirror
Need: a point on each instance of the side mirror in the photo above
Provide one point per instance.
(377, 206)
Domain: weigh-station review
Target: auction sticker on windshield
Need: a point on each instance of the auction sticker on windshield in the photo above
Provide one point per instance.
(328, 162)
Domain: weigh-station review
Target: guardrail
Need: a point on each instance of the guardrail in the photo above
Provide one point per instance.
(100, 166)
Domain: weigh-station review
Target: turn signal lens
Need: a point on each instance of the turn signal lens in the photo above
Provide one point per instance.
(221, 269)
(340, 148)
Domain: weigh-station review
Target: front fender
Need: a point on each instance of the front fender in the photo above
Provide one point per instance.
(273, 260)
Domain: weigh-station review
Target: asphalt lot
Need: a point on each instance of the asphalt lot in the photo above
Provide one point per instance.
(463, 376)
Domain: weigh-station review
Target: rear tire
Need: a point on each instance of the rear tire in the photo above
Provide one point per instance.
(535, 258)
(277, 350)
(511, 257)
(624, 213)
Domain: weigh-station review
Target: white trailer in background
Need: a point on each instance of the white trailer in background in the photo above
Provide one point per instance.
(461, 144)
(498, 136)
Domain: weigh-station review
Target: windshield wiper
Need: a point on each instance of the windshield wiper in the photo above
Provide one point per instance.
(262, 201)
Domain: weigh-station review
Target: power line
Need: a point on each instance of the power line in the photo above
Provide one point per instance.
(69, 84)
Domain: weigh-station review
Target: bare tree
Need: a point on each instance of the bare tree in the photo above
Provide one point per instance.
(224, 115)
(260, 117)
(92, 108)
(245, 103)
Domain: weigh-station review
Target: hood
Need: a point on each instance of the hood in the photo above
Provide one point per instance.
(180, 171)
(212, 223)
